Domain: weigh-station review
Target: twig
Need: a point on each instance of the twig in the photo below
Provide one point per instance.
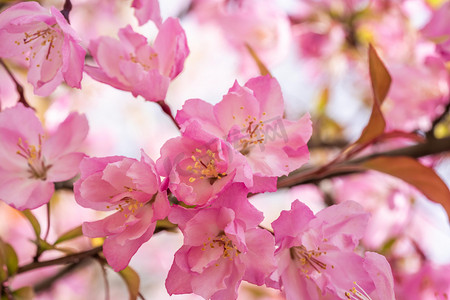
(105, 278)
(19, 87)
(316, 174)
(66, 10)
(166, 109)
(47, 231)
(48, 282)
(73, 258)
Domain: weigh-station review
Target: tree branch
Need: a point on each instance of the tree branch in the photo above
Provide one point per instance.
(72, 258)
(66, 10)
(317, 174)
(19, 87)
(166, 109)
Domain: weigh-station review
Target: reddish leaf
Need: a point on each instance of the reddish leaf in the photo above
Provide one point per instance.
(263, 70)
(411, 171)
(381, 81)
(379, 76)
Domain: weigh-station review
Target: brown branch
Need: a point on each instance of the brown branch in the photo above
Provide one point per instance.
(316, 174)
(19, 87)
(66, 10)
(72, 258)
(166, 109)
(48, 282)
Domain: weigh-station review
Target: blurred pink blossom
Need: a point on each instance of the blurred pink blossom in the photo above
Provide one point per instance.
(146, 10)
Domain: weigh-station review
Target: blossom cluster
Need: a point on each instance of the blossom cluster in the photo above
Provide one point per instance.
(204, 179)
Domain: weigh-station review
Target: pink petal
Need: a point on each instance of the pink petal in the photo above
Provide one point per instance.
(65, 167)
(259, 259)
(172, 48)
(292, 222)
(235, 107)
(22, 193)
(147, 10)
(268, 92)
(380, 271)
(67, 138)
(119, 255)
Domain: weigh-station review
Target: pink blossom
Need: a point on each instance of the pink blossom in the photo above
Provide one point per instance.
(131, 64)
(388, 200)
(430, 282)
(147, 10)
(251, 118)
(199, 166)
(222, 246)
(132, 189)
(32, 160)
(438, 29)
(260, 24)
(316, 253)
(47, 43)
(418, 94)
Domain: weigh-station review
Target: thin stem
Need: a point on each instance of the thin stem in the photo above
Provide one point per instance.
(166, 109)
(72, 258)
(19, 87)
(105, 279)
(66, 10)
(48, 282)
(47, 231)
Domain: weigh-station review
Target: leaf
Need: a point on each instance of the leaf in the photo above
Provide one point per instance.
(132, 281)
(261, 66)
(34, 222)
(381, 81)
(3, 270)
(71, 234)
(379, 76)
(411, 171)
(24, 293)
(322, 102)
(12, 262)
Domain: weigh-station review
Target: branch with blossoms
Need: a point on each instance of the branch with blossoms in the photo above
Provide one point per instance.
(361, 230)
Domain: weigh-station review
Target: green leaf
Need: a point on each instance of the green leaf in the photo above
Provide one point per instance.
(71, 234)
(381, 81)
(3, 269)
(132, 281)
(34, 222)
(44, 245)
(413, 172)
(12, 262)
